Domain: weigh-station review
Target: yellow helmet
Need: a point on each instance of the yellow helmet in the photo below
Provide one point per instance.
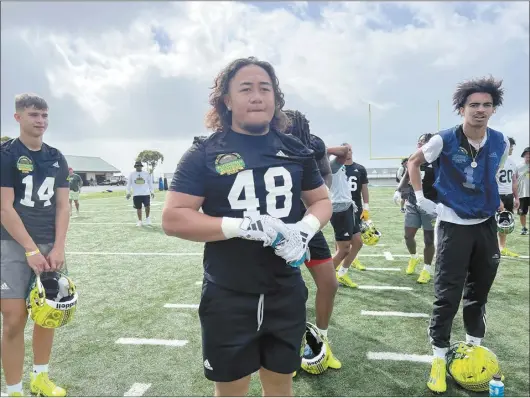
(52, 300)
(369, 234)
(472, 367)
(315, 351)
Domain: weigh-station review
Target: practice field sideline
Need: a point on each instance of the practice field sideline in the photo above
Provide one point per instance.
(137, 332)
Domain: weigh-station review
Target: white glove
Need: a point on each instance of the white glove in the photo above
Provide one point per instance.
(251, 228)
(397, 197)
(294, 240)
(428, 206)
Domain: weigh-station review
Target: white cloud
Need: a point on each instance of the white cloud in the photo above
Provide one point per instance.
(329, 67)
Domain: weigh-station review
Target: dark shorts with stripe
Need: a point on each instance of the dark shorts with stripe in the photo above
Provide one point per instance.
(242, 332)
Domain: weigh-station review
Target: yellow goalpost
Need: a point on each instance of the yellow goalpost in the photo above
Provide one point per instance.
(370, 133)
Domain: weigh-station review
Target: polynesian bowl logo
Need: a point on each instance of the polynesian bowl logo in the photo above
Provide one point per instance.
(229, 163)
(24, 164)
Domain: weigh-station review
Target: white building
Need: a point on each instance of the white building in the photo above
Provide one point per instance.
(91, 167)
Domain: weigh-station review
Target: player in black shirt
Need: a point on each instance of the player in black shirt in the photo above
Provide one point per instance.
(415, 217)
(249, 178)
(35, 217)
(347, 250)
(320, 264)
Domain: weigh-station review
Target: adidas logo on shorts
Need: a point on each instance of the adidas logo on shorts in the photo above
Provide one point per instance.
(4, 286)
(207, 365)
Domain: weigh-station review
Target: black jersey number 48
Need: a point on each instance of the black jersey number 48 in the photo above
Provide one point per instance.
(244, 182)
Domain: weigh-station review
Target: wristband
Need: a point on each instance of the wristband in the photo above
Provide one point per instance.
(230, 227)
(313, 223)
(366, 206)
(419, 194)
(29, 254)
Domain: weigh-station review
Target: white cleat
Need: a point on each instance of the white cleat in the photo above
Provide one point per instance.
(147, 221)
(139, 224)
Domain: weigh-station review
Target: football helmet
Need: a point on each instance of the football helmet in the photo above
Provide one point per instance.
(505, 222)
(471, 366)
(315, 351)
(369, 233)
(52, 299)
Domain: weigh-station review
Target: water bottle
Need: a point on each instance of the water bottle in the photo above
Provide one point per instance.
(496, 387)
(308, 352)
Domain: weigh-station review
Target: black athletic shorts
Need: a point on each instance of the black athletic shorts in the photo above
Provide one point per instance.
(242, 332)
(508, 202)
(319, 250)
(346, 224)
(141, 199)
(524, 203)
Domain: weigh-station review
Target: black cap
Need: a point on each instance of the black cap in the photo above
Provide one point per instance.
(138, 164)
(527, 149)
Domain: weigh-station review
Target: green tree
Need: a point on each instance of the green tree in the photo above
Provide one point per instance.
(4, 138)
(151, 158)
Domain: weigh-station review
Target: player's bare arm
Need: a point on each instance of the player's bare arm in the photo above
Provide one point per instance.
(62, 220)
(515, 192)
(413, 169)
(181, 218)
(325, 170)
(366, 195)
(14, 226)
(404, 181)
(318, 204)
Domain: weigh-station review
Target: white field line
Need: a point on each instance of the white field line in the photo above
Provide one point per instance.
(190, 306)
(514, 258)
(395, 313)
(382, 269)
(395, 356)
(110, 223)
(383, 287)
(201, 253)
(137, 390)
(198, 283)
(134, 254)
(388, 256)
(135, 341)
(120, 210)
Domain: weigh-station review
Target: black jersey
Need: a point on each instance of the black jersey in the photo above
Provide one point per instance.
(240, 175)
(357, 177)
(34, 177)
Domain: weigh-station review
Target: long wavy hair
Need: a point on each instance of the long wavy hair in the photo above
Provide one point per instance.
(298, 126)
(219, 118)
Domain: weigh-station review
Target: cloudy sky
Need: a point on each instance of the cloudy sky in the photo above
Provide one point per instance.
(121, 77)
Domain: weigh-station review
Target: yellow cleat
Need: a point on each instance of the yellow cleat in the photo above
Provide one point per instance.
(16, 394)
(413, 262)
(424, 277)
(437, 381)
(507, 253)
(346, 281)
(41, 385)
(333, 363)
(357, 264)
(294, 374)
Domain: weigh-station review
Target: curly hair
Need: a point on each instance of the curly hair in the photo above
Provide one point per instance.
(219, 118)
(425, 138)
(483, 85)
(298, 126)
(512, 141)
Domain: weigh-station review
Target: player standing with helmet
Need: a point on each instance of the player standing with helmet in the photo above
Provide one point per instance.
(35, 216)
(466, 158)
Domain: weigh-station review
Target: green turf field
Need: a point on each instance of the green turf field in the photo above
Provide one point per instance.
(122, 295)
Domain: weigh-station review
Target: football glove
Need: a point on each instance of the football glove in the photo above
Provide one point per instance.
(428, 206)
(258, 228)
(365, 215)
(293, 241)
(397, 197)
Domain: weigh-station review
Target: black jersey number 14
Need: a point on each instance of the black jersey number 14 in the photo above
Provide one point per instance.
(45, 192)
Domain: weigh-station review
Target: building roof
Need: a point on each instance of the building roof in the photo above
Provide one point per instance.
(89, 164)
